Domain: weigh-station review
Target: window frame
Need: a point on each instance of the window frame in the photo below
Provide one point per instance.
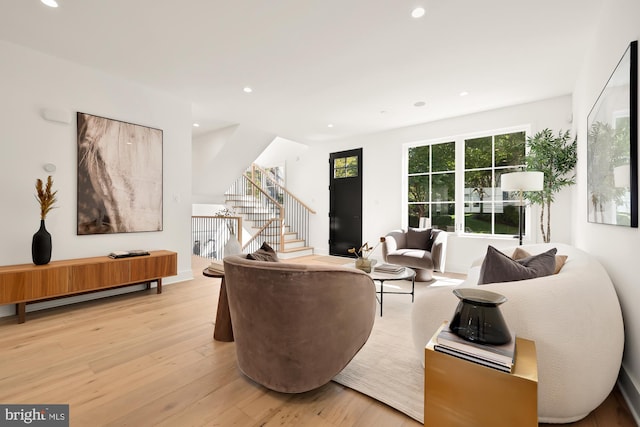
(431, 203)
(347, 170)
(459, 197)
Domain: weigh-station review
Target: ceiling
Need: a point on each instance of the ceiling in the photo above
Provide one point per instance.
(358, 65)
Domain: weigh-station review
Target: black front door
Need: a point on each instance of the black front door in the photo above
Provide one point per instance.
(345, 205)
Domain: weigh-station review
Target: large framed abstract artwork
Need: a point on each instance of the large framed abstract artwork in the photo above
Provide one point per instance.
(119, 176)
(612, 147)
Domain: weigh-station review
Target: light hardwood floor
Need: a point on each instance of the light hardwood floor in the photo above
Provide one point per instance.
(143, 359)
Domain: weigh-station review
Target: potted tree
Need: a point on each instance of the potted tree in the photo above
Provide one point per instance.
(556, 156)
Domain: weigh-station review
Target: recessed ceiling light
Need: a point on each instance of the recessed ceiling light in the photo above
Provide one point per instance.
(330, 125)
(196, 125)
(418, 12)
(464, 93)
(383, 111)
(247, 89)
(420, 104)
(50, 3)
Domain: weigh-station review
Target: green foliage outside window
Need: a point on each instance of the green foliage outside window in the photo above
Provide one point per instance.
(432, 177)
(345, 167)
(477, 153)
(444, 157)
(419, 159)
(431, 182)
(486, 159)
(510, 149)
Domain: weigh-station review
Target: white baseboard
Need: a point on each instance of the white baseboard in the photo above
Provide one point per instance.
(9, 309)
(631, 393)
(458, 269)
(182, 276)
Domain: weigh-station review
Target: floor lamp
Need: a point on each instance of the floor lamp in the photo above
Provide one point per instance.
(522, 181)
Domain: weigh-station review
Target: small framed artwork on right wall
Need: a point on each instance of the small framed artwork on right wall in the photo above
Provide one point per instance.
(612, 147)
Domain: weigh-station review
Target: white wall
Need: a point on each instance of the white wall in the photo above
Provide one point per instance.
(31, 81)
(616, 247)
(308, 174)
(205, 149)
(279, 150)
(221, 156)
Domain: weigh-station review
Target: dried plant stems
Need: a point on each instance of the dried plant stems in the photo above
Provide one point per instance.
(45, 196)
(365, 250)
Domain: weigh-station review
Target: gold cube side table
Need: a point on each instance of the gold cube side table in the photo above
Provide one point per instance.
(460, 393)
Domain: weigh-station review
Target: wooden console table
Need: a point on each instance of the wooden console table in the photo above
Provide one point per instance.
(21, 284)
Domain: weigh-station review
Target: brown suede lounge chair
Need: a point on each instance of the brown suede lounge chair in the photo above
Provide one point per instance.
(297, 326)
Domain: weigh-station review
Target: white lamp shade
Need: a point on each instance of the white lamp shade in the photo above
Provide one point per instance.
(622, 176)
(522, 181)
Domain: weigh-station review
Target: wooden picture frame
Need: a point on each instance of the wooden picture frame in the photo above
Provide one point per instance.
(119, 176)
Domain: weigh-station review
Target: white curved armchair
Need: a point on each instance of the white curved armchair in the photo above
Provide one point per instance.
(398, 248)
(574, 317)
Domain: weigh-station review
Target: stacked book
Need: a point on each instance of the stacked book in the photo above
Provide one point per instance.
(128, 254)
(494, 356)
(389, 268)
(216, 267)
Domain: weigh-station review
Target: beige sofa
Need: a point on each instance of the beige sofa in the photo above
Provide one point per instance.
(574, 317)
(424, 250)
(297, 326)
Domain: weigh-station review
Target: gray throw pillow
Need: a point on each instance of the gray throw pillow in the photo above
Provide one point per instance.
(265, 253)
(498, 267)
(418, 238)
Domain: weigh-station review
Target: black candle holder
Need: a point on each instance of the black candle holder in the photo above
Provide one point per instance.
(478, 317)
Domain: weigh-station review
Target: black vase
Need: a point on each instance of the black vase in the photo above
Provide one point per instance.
(41, 246)
(478, 318)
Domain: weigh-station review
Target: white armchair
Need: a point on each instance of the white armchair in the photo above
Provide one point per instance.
(424, 250)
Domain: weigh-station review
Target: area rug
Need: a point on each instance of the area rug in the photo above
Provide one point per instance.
(387, 368)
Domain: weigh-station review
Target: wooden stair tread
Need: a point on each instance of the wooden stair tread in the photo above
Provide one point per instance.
(301, 248)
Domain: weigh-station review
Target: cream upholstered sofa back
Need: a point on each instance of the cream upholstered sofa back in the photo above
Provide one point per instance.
(574, 317)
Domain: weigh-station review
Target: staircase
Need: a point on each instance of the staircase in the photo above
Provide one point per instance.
(263, 225)
(270, 214)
